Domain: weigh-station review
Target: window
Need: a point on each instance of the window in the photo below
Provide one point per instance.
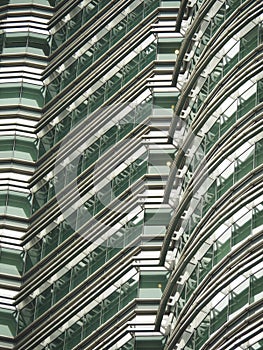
(155, 221)
(167, 48)
(152, 284)
(11, 262)
(8, 323)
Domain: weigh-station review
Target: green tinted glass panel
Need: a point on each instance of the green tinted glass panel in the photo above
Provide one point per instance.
(72, 336)
(61, 287)
(18, 204)
(249, 42)
(44, 301)
(257, 219)
(33, 255)
(152, 284)
(8, 323)
(239, 233)
(25, 149)
(256, 287)
(218, 318)
(10, 94)
(6, 147)
(3, 202)
(26, 316)
(202, 332)
(147, 343)
(238, 300)
(11, 261)
(259, 153)
(50, 241)
(221, 250)
(32, 95)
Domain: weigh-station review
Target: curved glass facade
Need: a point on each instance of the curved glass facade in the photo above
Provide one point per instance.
(213, 241)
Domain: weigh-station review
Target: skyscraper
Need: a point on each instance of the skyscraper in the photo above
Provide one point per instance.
(131, 174)
(213, 243)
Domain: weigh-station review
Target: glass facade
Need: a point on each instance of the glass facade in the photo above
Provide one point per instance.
(131, 175)
(84, 238)
(215, 184)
